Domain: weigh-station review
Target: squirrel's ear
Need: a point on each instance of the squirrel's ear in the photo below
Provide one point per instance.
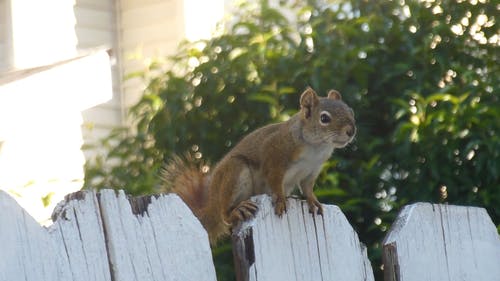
(308, 100)
(334, 95)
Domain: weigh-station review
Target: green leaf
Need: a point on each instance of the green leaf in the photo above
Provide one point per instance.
(46, 200)
(265, 98)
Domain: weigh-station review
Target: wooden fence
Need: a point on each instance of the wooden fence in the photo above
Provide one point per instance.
(109, 236)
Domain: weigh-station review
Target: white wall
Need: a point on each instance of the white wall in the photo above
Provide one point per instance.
(41, 126)
(148, 29)
(153, 29)
(42, 32)
(5, 36)
(40, 120)
(37, 37)
(96, 26)
(37, 33)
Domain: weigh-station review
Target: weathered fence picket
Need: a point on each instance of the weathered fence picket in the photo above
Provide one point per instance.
(299, 246)
(105, 236)
(108, 236)
(442, 243)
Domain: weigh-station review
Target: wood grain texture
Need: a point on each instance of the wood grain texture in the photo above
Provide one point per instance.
(162, 241)
(104, 237)
(108, 236)
(71, 249)
(26, 250)
(80, 244)
(442, 243)
(299, 246)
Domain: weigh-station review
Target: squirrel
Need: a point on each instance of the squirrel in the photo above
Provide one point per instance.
(273, 160)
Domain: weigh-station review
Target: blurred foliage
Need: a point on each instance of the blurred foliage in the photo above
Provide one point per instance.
(422, 77)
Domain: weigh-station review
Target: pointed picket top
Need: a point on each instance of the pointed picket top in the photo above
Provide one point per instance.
(299, 246)
(105, 236)
(442, 242)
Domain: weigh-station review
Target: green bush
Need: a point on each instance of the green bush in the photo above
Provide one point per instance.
(421, 76)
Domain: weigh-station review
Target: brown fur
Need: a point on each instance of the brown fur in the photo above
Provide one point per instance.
(271, 160)
(187, 179)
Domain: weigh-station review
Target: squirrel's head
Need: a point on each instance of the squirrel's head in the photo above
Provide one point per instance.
(326, 119)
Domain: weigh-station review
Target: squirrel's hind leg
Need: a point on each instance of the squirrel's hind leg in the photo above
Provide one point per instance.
(244, 211)
(240, 182)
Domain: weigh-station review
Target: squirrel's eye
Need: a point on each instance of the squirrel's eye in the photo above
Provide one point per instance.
(325, 118)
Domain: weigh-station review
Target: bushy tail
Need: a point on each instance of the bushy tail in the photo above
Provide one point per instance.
(189, 180)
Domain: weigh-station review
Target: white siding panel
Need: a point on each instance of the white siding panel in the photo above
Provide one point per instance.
(5, 41)
(94, 18)
(3, 28)
(112, 103)
(161, 48)
(91, 38)
(156, 49)
(95, 24)
(153, 33)
(96, 27)
(152, 14)
(3, 54)
(96, 4)
(92, 136)
(149, 29)
(131, 4)
(102, 116)
(3, 16)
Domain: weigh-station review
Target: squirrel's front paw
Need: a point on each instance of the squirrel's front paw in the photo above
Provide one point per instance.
(314, 204)
(280, 206)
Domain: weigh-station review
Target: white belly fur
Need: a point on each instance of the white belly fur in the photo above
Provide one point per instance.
(307, 165)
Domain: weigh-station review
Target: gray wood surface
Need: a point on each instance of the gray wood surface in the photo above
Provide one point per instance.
(434, 242)
(299, 246)
(106, 236)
